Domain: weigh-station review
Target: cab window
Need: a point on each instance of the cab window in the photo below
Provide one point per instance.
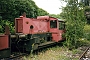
(61, 25)
(53, 24)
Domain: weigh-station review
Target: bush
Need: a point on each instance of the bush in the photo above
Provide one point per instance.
(87, 32)
(3, 23)
(75, 21)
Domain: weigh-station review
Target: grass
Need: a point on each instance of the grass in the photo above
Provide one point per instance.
(58, 53)
(54, 53)
(50, 54)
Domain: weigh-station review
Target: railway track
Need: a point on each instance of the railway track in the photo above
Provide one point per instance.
(16, 56)
(85, 55)
(20, 55)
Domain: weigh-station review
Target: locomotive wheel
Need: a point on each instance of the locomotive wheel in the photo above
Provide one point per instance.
(35, 46)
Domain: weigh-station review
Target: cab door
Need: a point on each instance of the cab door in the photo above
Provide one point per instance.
(19, 25)
(54, 30)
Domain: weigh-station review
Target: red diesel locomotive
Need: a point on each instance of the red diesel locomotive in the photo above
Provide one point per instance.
(31, 34)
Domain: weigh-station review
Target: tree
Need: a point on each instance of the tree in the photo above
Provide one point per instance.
(11, 9)
(56, 16)
(3, 23)
(86, 2)
(42, 12)
(75, 21)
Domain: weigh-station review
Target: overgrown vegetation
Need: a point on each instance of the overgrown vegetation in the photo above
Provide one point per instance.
(75, 22)
(56, 16)
(62, 53)
(58, 53)
(9, 10)
(3, 23)
(55, 53)
(87, 32)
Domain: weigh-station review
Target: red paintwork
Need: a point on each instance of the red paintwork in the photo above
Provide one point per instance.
(23, 26)
(57, 36)
(43, 17)
(40, 25)
(4, 42)
(19, 25)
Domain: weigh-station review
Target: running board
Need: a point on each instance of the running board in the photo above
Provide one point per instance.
(45, 44)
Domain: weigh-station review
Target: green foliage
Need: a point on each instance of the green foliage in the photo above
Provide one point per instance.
(87, 8)
(14, 8)
(87, 14)
(42, 12)
(85, 2)
(87, 32)
(75, 21)
(62, 14)
(3, 23)
(56, 16)
(11, 9)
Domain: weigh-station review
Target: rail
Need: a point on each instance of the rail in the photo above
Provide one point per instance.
(83, 55)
